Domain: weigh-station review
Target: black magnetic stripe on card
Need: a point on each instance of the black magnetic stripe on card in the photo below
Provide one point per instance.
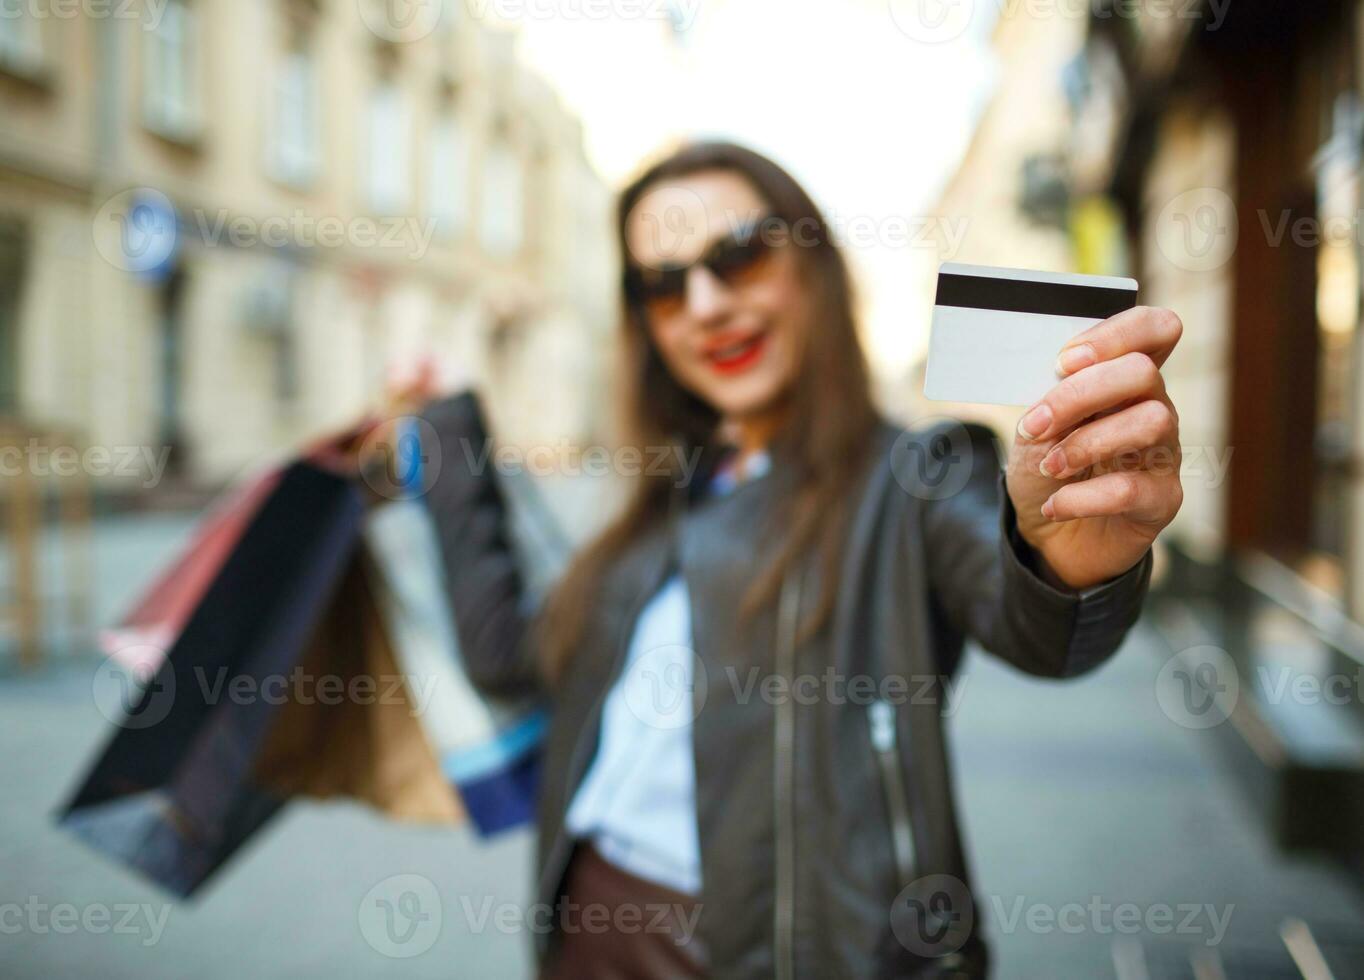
(1025, 296)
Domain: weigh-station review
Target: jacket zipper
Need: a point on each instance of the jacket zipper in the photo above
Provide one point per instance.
(881, 719)
(784, 737)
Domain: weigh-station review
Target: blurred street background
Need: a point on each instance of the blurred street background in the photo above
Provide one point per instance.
(225, 227)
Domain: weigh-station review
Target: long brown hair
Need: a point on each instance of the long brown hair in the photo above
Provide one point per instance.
(828, 425)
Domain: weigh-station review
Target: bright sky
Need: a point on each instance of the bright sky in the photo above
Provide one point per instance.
(870, 119)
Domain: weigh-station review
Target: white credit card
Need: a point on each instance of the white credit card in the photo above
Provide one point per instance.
(997, 332)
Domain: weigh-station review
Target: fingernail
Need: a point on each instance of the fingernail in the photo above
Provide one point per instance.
(1054, 463)
(1035, 422)
(1075, 359)
(1049, 510)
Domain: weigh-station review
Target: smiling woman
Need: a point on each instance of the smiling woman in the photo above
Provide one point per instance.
(815, 539)
(711, 335)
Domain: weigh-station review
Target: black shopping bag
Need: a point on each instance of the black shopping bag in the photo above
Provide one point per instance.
(173, 794)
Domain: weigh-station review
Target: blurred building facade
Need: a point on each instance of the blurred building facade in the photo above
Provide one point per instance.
(222, 222)
(1007, 185)
(1213, 151)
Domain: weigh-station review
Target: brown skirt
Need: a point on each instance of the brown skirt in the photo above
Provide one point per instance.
(611, 925)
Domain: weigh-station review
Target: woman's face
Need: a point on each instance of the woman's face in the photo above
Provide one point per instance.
(722, 299)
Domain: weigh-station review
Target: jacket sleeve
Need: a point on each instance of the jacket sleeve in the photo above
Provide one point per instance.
(983, 577)
(482, 577)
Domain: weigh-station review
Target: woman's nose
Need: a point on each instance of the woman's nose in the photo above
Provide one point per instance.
(707, 296)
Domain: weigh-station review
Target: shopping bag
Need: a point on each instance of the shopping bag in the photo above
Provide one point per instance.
(141, 637)
(369, 745)
(172, 794)
(489, 749)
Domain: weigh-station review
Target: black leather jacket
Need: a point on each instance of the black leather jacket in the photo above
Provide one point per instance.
(829, 839)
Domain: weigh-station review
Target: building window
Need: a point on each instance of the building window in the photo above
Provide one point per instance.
(448, 191)
(170, 89)
(21, 41)
(270, 316)
(13, 261)
(387, 178)
(503, 217)
(293, 137)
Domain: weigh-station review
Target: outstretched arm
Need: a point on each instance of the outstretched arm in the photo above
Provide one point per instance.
(484, 582)
(989, 585)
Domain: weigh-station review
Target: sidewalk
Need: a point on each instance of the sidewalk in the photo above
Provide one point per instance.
(1085, 793)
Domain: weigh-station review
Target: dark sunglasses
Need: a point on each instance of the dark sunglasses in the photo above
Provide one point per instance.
(734, 260)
